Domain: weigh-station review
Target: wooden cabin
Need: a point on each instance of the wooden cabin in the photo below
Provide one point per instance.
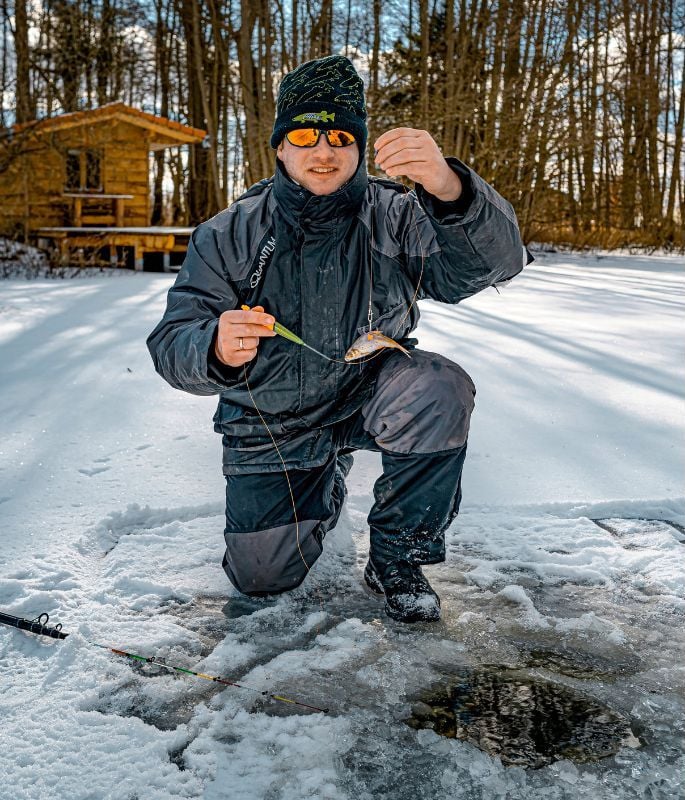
(79, 183)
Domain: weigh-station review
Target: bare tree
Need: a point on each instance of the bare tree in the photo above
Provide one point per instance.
(574, 110)
(25, 108)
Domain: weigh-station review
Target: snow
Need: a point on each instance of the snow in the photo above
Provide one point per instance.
(569, 543)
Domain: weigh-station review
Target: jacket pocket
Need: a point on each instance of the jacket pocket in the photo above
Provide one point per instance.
(249, 449)
(225, 415)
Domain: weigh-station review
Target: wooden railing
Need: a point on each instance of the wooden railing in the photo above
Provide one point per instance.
(82, 200)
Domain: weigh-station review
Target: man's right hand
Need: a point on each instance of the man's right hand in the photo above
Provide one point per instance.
(239, 333)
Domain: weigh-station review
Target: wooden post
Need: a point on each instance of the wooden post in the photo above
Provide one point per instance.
(64, 251)
(113, 255)
(78, 212)
(138, 257)
(119, 212)
(27, 209)
(166, 262)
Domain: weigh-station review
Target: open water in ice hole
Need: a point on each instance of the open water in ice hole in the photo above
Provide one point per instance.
(524, 720)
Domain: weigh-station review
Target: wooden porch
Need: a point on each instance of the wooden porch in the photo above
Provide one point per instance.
(115, 246)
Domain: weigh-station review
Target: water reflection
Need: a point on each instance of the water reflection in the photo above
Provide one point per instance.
(523, 720)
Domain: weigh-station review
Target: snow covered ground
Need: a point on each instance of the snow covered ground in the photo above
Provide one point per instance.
(566, 562)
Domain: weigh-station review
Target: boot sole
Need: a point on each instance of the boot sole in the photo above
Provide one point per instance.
(409, 619)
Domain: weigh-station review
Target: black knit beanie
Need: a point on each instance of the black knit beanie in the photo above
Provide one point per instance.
(325, 93)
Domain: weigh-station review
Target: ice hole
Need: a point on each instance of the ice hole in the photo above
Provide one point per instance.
(524, 720)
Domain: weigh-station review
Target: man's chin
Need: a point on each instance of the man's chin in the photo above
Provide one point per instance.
(323, 185)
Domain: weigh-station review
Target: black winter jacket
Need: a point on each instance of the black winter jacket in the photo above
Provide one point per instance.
(312, 262)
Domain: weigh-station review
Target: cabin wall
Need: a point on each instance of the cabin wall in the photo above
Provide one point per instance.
(29, 197)
(32, 186)
(127, 169)
(13, 194)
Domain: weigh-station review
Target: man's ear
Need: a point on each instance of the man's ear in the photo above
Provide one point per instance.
(279, 150)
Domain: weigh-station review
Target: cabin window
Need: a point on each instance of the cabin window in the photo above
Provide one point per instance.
(73, 171)
(83, 171)
(92, 169)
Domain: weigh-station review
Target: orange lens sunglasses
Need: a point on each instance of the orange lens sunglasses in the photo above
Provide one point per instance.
(309, 137)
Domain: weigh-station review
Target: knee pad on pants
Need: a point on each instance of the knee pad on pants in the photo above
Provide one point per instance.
(420, 405)
(274, 560)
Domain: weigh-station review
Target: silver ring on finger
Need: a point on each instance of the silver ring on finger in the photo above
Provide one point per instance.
(241, 346)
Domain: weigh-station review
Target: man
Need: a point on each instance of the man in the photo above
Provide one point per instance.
(330, 253)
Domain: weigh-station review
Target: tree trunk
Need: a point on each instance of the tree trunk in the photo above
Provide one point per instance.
(295, 28)
(676, 177)
(423, 91)
(68, 47)
(321, 33)
(163, 66)
(24, 110)
(449, 111)
(374, 89)
(104, 53)
(255, 86)
(201, 199)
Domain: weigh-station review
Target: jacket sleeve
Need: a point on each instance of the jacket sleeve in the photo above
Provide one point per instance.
(182, 344)
(476, 240)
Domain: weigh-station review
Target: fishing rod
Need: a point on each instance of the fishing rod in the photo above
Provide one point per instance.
(40, 626)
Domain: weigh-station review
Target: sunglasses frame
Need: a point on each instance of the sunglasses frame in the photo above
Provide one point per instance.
(319, 131)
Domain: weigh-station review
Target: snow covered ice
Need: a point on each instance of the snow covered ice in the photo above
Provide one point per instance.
(565, 563)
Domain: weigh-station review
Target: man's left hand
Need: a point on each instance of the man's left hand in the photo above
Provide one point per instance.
(414, 153)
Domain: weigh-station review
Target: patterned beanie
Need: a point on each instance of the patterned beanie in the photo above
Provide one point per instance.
(325, 93)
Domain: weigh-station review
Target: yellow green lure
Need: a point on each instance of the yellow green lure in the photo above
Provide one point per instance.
(281, 330)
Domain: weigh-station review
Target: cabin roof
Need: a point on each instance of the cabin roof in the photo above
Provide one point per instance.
(165, 132)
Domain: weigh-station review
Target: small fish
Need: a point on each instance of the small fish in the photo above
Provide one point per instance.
(315, 116)
(369, 342)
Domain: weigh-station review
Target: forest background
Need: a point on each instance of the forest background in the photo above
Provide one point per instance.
(572, 110)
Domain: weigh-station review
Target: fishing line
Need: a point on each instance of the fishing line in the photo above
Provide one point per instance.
(418, 284)
(285, 469)
(371, 357)
(290, 487)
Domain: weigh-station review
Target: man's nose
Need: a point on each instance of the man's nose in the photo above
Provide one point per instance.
(323, 142)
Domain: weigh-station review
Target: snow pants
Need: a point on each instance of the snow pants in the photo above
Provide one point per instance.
(417, 419)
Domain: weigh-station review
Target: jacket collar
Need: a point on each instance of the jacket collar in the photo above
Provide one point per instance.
(301, 208)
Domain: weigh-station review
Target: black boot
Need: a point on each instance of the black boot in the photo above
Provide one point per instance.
(408, 595)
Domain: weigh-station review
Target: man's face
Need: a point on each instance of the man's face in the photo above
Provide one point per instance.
(321, 169)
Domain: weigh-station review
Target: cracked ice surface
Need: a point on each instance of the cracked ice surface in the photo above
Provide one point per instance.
(566, 560)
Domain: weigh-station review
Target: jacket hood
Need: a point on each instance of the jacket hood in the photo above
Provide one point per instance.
(299, 205)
